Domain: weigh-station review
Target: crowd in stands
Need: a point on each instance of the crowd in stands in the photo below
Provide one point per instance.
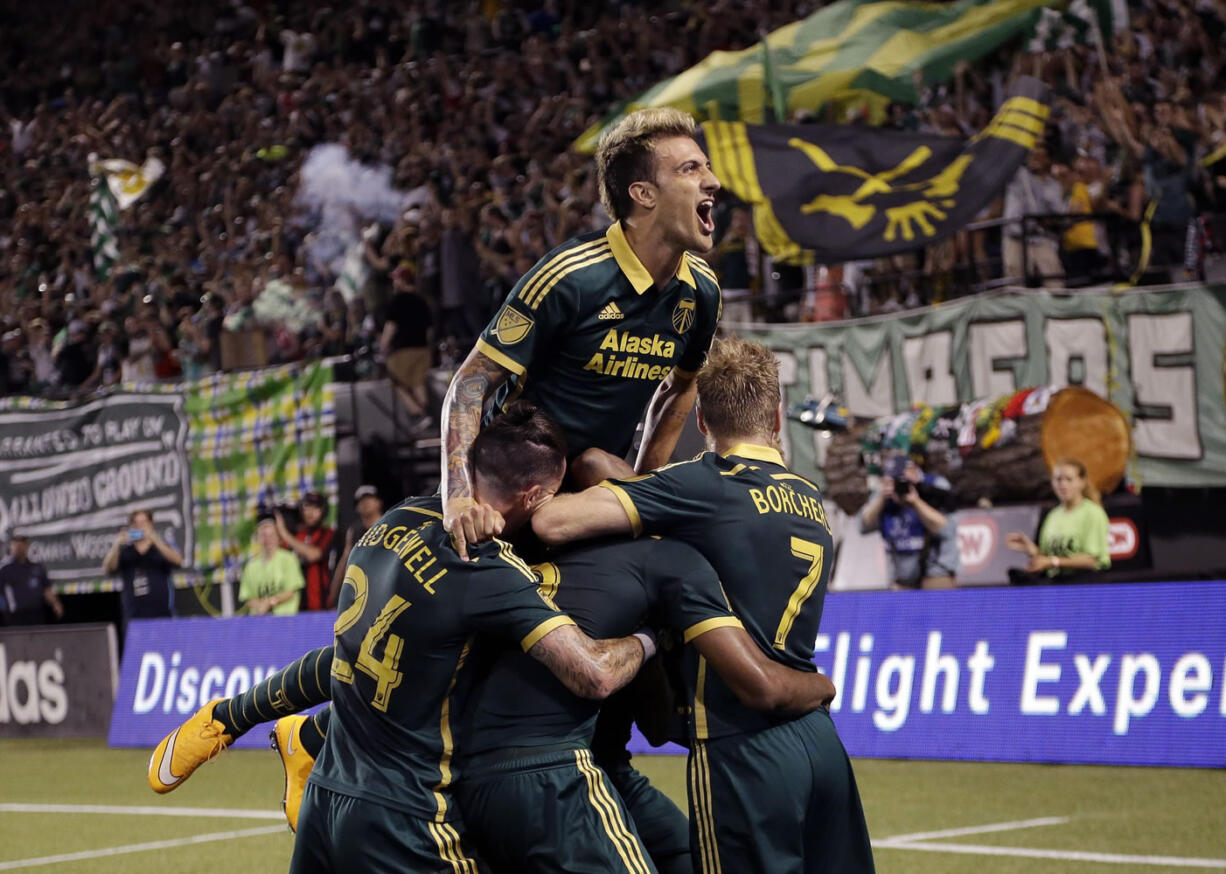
(474, 106)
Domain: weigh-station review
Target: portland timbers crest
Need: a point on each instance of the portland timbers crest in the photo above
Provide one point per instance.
(683, 316)
(512, 326)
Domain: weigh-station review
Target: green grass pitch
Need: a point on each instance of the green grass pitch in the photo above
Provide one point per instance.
(925, 817)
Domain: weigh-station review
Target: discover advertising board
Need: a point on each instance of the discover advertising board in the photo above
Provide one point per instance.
(1127, 674)
(171, 667)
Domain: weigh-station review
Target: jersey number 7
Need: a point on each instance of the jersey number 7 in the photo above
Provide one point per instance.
(806, 549)
(382, 669)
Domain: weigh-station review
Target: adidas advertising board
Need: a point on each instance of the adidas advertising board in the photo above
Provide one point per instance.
(1126, 674)
(57, 681)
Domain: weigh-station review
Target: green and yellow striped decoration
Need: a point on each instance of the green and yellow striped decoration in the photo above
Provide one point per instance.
(852, 51)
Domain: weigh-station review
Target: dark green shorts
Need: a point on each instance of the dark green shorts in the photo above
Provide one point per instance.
(340, 833)
(779, 801)
(665, 830)
(547, 813)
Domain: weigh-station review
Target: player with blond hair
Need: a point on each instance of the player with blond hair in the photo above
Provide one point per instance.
(767, 793)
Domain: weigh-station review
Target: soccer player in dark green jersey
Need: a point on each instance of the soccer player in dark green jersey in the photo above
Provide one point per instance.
(610, 322)
(379, 797)
(531, 793)
(767, 794)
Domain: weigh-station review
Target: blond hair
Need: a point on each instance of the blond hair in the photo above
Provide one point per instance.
(626, 153)
(1089, 491)
(738, 389)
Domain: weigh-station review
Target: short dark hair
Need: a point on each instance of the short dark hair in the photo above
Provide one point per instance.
(521, 448)
(132, 516)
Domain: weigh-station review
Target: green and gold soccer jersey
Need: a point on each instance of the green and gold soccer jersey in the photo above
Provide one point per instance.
(401, 671)
(588, 337)
(610, 588)
(764, 530)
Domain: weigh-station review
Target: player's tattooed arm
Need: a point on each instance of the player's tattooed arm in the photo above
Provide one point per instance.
(666, 414)
(589, 668)
(478, 378)
(759, 682)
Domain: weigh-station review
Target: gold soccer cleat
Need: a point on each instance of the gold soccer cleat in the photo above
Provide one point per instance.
(186, 748)
(287, 741)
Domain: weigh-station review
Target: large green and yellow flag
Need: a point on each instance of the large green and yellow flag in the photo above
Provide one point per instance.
(834, 193)
(849, 51)
(263, 437)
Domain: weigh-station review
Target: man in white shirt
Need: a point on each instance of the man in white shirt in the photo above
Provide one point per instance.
(1033, 191)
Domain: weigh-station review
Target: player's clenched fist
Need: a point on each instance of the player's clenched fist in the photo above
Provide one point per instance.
(471, 522)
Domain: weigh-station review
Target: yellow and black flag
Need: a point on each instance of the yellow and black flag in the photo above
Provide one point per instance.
(837, 193)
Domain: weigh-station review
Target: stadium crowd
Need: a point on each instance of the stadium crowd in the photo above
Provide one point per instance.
(474, 106)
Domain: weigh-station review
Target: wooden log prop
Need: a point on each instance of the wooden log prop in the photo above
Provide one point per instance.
(998, 451)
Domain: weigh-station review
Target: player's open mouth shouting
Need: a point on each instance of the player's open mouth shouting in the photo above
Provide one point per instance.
(706, 216)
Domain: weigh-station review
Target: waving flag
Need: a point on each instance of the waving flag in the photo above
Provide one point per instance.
(127, 181)
(115, 185)
(839, 193)
(850, 50)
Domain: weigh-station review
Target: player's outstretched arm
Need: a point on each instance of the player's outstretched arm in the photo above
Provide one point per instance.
(591, 668)
(666, 414)
(594, 512)
(478, 378)
(760, 683)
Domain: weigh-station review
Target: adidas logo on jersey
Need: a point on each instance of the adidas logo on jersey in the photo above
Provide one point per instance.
(611, 312)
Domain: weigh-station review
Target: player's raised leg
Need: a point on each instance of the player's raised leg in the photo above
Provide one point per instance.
(300, 685)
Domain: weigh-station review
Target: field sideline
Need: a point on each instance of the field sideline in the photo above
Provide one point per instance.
(76, 806)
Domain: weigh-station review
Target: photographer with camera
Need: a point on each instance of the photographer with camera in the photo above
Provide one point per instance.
(144, 561)
(312, 541)
(920, 539)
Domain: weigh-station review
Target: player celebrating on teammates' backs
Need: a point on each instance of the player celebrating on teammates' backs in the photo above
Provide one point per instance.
(608, 318)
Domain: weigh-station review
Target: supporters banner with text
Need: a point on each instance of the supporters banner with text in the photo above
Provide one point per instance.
(842, 193)
(1157, 355)
(849, 53)
(70, 476)
(200, 456)
(263, 437)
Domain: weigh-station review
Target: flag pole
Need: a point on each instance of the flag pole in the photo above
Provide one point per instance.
(1098, 40)
(774, 95)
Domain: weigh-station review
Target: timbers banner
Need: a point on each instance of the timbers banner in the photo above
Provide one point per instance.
(258, 438)
(70, 475)
(1157, 355)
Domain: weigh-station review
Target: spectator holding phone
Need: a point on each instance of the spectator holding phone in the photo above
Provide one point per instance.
(920, 538)
(144, 561)
(1073, 536)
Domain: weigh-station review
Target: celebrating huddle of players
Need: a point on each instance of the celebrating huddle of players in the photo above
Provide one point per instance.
(483, 635)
